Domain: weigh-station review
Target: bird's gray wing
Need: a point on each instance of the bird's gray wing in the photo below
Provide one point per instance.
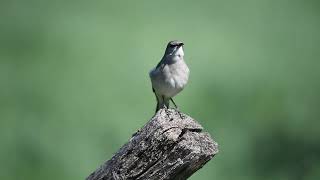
(161, 64)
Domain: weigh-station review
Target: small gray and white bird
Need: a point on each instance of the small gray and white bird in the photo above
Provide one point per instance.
(170, 76)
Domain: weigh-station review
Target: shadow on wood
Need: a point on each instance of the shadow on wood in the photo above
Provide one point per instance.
(170, 146)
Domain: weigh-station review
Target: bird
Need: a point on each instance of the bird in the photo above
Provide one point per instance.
(170, 76)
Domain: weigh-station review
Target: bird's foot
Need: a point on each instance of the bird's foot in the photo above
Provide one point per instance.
(166, 110)
(177, 109)
(182, 116)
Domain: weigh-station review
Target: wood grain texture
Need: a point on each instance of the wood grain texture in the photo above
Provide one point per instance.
(170, 146)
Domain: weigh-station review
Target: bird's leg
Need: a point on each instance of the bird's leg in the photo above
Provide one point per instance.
(177, 109)
(174, 104)
(165, 106)
(157, 107)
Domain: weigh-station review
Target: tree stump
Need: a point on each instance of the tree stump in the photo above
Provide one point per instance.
(170, 146)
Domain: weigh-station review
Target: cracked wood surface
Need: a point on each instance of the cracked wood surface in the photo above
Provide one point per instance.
(170, 146)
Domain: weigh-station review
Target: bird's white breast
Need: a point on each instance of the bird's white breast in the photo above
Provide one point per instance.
(170, 80)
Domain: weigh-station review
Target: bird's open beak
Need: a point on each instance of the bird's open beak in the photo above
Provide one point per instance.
(181, 44)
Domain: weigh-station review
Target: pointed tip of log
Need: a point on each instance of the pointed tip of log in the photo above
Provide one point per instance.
(171, 145)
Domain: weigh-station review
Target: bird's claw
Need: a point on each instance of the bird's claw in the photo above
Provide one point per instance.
(179, 112)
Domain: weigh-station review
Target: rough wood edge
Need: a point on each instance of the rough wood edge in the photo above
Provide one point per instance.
(171, 145)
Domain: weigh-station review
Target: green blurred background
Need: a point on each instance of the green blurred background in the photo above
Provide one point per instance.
(74, 83)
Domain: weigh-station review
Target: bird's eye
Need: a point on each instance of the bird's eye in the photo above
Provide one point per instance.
(171, 45)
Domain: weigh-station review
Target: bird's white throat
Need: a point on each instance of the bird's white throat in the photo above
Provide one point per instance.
(179, 52)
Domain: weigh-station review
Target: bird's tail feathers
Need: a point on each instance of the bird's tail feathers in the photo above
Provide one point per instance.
(162, 103)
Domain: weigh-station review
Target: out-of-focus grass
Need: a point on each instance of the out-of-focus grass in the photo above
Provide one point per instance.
(74, 83)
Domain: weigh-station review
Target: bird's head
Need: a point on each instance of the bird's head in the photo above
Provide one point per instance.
(175, 48)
